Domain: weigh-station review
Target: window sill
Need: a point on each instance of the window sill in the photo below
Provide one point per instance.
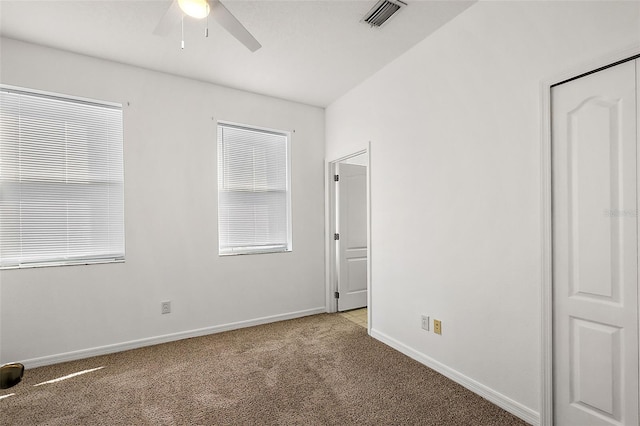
(61, 263)
(244, 253)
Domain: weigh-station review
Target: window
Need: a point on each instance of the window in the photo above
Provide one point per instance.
(61, 180)
(253, 190)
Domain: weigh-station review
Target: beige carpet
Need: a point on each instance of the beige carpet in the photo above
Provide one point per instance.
(318, 370)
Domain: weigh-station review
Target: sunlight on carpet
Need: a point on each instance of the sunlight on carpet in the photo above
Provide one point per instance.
(69, 376)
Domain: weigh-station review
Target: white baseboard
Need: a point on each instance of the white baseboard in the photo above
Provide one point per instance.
(134, 344)
(502, 401)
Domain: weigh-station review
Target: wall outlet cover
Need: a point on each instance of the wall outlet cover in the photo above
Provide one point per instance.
(437, 326)
(425, 322)
(165, 307)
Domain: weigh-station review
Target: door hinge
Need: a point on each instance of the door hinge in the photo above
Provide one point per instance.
(336, 295)
(336, 178)
(336, 237)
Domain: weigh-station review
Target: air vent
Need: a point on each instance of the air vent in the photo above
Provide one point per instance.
(382, 11)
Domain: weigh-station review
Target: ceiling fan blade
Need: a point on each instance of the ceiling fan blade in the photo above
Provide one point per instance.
(229, 22)
(170, 19)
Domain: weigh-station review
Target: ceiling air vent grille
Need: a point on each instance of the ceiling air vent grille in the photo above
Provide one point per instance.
(382, 11)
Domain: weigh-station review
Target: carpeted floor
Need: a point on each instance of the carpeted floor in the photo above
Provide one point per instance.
(318, 370)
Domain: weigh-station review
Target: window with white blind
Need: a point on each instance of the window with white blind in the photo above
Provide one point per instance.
(61, 180)
(253, 190)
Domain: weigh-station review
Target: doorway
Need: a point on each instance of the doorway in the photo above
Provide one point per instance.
(349, 235)
(594, 247)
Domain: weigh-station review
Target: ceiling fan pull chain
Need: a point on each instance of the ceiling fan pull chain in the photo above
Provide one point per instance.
(206, 27)
(182, 30)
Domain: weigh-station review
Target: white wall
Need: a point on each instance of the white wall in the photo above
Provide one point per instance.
(456, 183)
(170, 217)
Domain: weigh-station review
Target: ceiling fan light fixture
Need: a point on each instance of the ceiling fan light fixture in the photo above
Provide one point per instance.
(195, 8)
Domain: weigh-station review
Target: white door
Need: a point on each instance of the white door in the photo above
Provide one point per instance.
(351, 227)
(595, 249)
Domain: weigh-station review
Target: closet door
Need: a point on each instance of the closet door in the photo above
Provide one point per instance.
(595, 248)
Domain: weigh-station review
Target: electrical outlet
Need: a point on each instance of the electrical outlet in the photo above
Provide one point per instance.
(425, 322)
(437, 326)
(165, 307)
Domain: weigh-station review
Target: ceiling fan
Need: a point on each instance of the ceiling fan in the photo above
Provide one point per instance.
(201, 9)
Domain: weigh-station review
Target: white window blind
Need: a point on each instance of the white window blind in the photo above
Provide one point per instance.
(61, 180)
(253, 190)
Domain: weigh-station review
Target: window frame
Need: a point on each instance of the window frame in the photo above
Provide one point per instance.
(86, 259)
(268, 249)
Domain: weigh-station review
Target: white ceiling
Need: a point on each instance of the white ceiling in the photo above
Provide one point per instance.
(313, 51)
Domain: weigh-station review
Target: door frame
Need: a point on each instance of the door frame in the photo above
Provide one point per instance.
(546, 325)
(330, 226)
